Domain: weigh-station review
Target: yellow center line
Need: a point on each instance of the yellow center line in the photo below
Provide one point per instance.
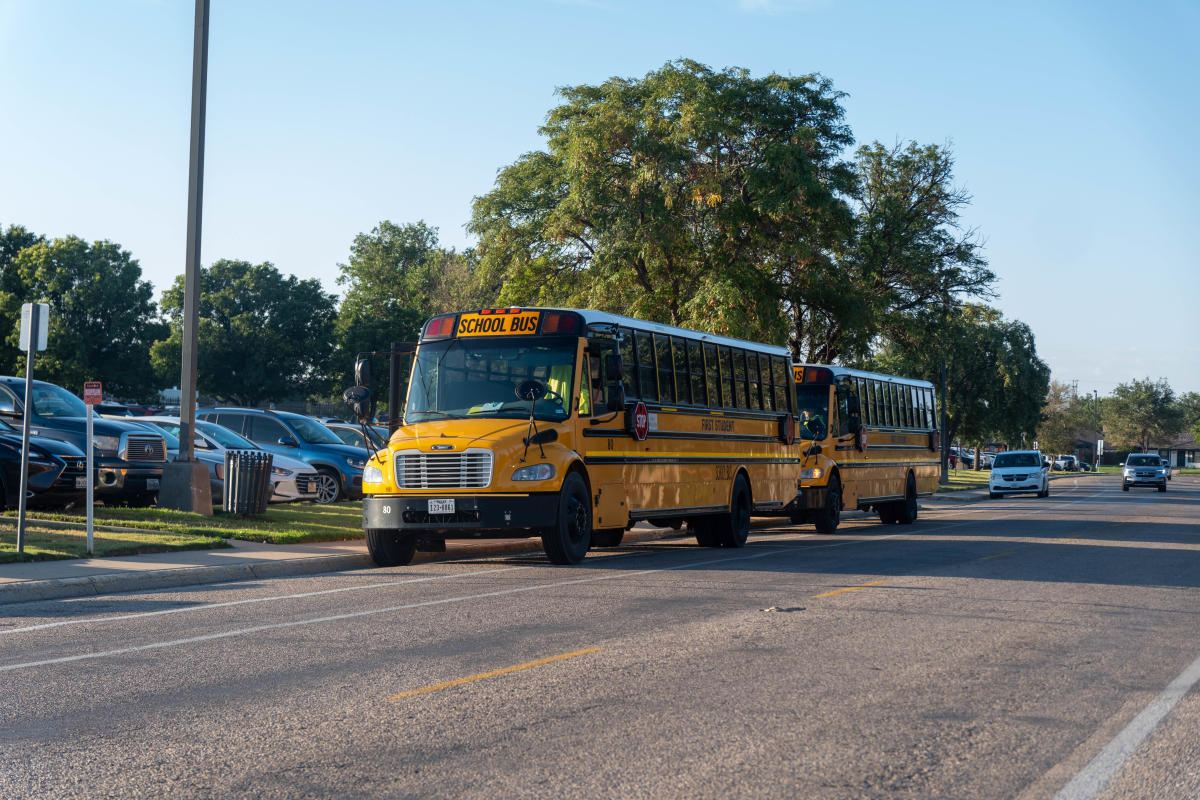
(998, 555)
(849, 589)
(494, 673)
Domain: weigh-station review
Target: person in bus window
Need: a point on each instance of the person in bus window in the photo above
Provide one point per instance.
(814, 422)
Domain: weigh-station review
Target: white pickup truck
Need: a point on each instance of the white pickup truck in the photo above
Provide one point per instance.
(1066, 463)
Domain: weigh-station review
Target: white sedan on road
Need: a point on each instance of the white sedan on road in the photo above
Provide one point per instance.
(1019, 471)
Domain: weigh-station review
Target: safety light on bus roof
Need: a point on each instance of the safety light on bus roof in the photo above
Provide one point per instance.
(818, 375)
(439, 326)
(558, 323)
(488, 311)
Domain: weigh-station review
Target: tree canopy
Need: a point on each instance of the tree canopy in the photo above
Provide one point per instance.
(1142, 413)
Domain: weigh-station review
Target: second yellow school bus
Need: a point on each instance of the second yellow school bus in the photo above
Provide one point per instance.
(870, 442)
(572, 425)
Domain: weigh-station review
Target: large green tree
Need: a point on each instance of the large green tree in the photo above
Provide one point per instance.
(996, 384)
(261, 335)
(1066, 419)
(1142, 413)
(13, 291)
(103, 319)
(690, 196)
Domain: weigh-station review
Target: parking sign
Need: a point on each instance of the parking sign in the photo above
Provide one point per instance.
(93, 393)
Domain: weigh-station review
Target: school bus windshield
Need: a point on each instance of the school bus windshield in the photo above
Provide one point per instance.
(467, 378)
(812, 411)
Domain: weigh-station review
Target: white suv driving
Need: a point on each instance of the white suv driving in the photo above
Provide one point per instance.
(1019, 471)
(1143, 469)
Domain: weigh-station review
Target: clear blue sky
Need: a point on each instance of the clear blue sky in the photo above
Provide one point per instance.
(1075, 126)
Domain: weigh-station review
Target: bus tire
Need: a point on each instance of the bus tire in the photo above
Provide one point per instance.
(887, 513)
(705, 531)
(827, 518)
(734, 528)
(567, 542)
(609, 537)
(906, 511)
(391, 548)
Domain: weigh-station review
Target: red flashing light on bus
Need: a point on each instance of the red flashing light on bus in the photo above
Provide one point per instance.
(559, 323)
(439, 326)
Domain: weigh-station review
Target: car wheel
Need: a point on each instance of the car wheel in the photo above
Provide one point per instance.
(568, 540)
(1124, 487)
(391, 548)
(994, 495)
(1162, 487)
(329, 486)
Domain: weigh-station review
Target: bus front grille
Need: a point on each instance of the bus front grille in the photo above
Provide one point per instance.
(470, 469)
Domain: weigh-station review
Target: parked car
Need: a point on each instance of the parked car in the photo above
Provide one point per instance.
(129, 459)
(1066, 463)
(1143, 469)
(1016, 471)
(1166, 462)
(353, 435)
(291, 479)
(339, 466)
(57, 471)
(1084, 466)
(214, 461)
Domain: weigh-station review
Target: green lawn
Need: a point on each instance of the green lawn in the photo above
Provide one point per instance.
(43, 543)
(284, 523)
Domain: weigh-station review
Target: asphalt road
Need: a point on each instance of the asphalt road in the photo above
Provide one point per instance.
(1017, 648)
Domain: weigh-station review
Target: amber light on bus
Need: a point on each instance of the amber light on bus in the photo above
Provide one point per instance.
(439, 326)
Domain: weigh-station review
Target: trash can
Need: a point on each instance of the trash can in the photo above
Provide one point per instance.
(247, 481)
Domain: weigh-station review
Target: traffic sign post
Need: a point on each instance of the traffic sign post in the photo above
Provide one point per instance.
(35, 325)
(93, 394)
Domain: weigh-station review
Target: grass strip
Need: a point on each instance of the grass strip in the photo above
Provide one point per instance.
(43, 544)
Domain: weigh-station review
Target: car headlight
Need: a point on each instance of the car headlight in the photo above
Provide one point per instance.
(220, 470)
(534, 472)
(372, 474)
(106, 443)
(812, 474)
(280, 472)
(356, 463)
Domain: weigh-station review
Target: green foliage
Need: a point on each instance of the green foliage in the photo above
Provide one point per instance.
(13, 292)
(102, 315)
(995, 382)
(1189, 410)
(1142, 413)
(261, 335)
(1065, 420)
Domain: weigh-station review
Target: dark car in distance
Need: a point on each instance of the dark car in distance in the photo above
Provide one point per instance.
(56, 471)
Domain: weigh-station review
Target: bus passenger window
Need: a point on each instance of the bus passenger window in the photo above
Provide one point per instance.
(696, 370)
(756, 400)
(628, 364)
(728, 393)
(666, 370)
(739, 378)
(782, 381)
(712, 375)
(647, 382)
(683, 387)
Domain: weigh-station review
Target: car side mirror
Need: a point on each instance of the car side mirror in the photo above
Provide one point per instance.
(287, 441)
(1121, 464)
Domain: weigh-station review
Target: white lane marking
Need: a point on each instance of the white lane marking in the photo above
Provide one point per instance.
(226, 604)
(1092, 779)
(407, 606)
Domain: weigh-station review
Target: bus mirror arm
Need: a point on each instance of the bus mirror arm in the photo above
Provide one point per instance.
(359, 398)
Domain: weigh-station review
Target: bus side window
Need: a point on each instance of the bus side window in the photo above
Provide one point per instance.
(696, 370)
(756, 400)
(739, 378)
(728, 387)
(628, 364)
(647, 381)
(782, 379)
(712, 375)
(683, 386)
(666, 368)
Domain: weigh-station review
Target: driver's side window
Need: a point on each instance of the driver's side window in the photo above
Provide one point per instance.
(844, 404)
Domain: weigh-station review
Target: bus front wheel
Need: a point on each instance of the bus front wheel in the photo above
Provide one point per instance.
(827, 518)
(567, 542)
(733, 528)
(391, 548)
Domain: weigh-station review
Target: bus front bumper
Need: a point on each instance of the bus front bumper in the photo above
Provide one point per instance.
(473, 515)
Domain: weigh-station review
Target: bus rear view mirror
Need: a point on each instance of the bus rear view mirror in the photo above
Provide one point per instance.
(362, 372)
(616, 396)
(612, 365)
(359, 399)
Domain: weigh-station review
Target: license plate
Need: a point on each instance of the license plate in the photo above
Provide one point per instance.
(441, 506)
(151, 483)
(81, 483)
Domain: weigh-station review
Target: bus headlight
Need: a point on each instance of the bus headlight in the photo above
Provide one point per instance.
(534, 472)
(372, 474)
(812, 474)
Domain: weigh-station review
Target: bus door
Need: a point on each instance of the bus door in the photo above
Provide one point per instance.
(602, 405)
(845, 437)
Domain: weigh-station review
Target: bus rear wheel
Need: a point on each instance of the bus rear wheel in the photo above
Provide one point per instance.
(827, 518)
(567, 542)
(734, 528)
(705, 531)
(391, 548)
(906, 510)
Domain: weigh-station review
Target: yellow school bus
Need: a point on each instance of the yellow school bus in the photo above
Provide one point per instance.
(870, 442)
(572, 425)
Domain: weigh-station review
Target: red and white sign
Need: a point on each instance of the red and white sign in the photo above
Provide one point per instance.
(641, 422)
(93, 393)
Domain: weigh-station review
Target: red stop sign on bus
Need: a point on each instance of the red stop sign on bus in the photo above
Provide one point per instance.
(641, 421)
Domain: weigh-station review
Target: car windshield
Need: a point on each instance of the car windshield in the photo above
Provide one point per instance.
(225, 437)
(462, 378)
(812, 405)
(54, 401)
(1143, 461)
(312, 431)
(1016, 460)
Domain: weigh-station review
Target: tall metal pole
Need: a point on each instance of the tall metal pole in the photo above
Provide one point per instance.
(191, 275)
(34, 309)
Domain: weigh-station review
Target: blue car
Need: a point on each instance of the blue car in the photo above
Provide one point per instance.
(339, 466)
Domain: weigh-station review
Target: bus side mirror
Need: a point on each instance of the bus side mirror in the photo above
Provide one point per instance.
(612, 365)
(854, 423)
(616, 396)
(359, 399)
(362, 372)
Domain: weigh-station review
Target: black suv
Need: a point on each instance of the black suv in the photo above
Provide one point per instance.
(129, 459)
(339, 466)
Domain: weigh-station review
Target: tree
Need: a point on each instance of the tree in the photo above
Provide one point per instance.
(260, 335)
(102, 315)
(13, 291)
(693, 197)
(1065, 419)
(1142, 413)
(995, 381)
(1189, 409)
